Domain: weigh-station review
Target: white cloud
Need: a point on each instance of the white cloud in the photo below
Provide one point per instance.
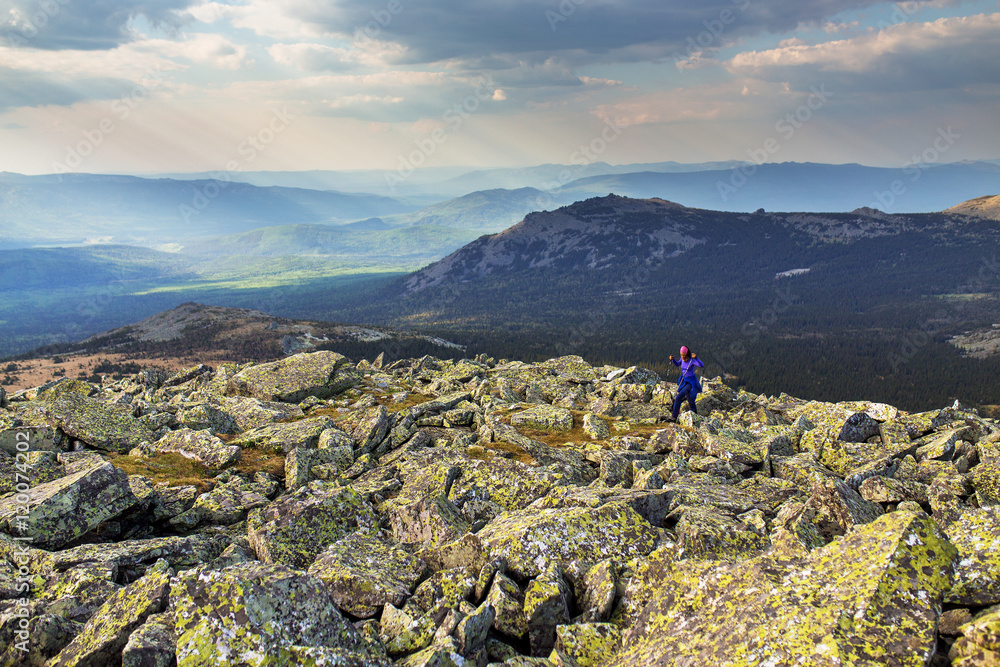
(311, 57)
(941, 43)
(205, 49)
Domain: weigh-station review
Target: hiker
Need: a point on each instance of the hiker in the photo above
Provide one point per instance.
(688, 385)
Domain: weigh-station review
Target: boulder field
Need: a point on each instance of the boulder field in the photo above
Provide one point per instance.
(316, 512)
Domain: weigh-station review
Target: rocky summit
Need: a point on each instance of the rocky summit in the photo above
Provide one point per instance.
(316, 511)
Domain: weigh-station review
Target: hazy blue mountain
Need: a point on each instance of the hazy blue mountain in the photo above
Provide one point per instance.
(401, 246)
(791, 186)
(485, 210)
(77, 208)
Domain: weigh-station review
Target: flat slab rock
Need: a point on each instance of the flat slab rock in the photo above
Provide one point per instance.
(69, 507)
(321, 374)
(531, 539)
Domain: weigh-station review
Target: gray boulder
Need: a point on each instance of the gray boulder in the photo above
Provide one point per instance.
(321, 374)
(68, 508)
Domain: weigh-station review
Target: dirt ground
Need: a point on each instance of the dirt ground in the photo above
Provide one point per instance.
(34, 372)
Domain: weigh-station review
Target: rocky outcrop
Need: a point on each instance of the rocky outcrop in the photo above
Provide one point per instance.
(432, 512)
(319, 374)
(872, 596)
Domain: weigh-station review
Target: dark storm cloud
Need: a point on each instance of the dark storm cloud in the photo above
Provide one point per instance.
(80, 24)
(574, 30)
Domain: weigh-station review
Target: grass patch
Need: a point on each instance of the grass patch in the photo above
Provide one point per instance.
(411, 399)
(517, 453)
(169, 467)
(257, 460)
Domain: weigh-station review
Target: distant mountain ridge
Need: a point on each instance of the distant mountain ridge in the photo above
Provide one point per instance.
(79, 208)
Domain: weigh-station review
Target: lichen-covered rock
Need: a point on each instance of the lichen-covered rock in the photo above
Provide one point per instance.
(745, 452)
(939, 446)
(253, 413)
(547, 604)
(173, 500)
(433, 520)
(299, 464)
(364, 573)
(543, 418)
(979, 645)
(986, 481)
(976, 535)
(35, 438)
(871, 597)
(588, 644)
(284, 437)
(102, 639)
(201, 446)
(44, 467)
(446, 589)
(208, 416)
(596, 595)
(615, 470)
(47, 635)
(136, 556)
(803, 470)
(507, 601)
(530, 540)
(838, 508)
(470, 634)
(371, 428)
(888, 490)
(321, 374)
(261, 614)
(104, 426)
(402, 633)
(296, 528)
(224, 505)
(708, 533)
(859, 427)
(595, 427)
(152, 644)
(69, 507)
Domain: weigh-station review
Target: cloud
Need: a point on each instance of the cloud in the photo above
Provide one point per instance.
(214, 51)
(530, 31)
(31, 89)
(949, 53)
(310, 57)
(13, 126)
(90, 25)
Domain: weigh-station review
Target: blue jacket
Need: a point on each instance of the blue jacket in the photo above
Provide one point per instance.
(687, 373)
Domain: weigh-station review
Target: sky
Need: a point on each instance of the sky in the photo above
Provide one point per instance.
(111, 86)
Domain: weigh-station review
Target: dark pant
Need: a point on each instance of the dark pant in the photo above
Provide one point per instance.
(687, 391)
